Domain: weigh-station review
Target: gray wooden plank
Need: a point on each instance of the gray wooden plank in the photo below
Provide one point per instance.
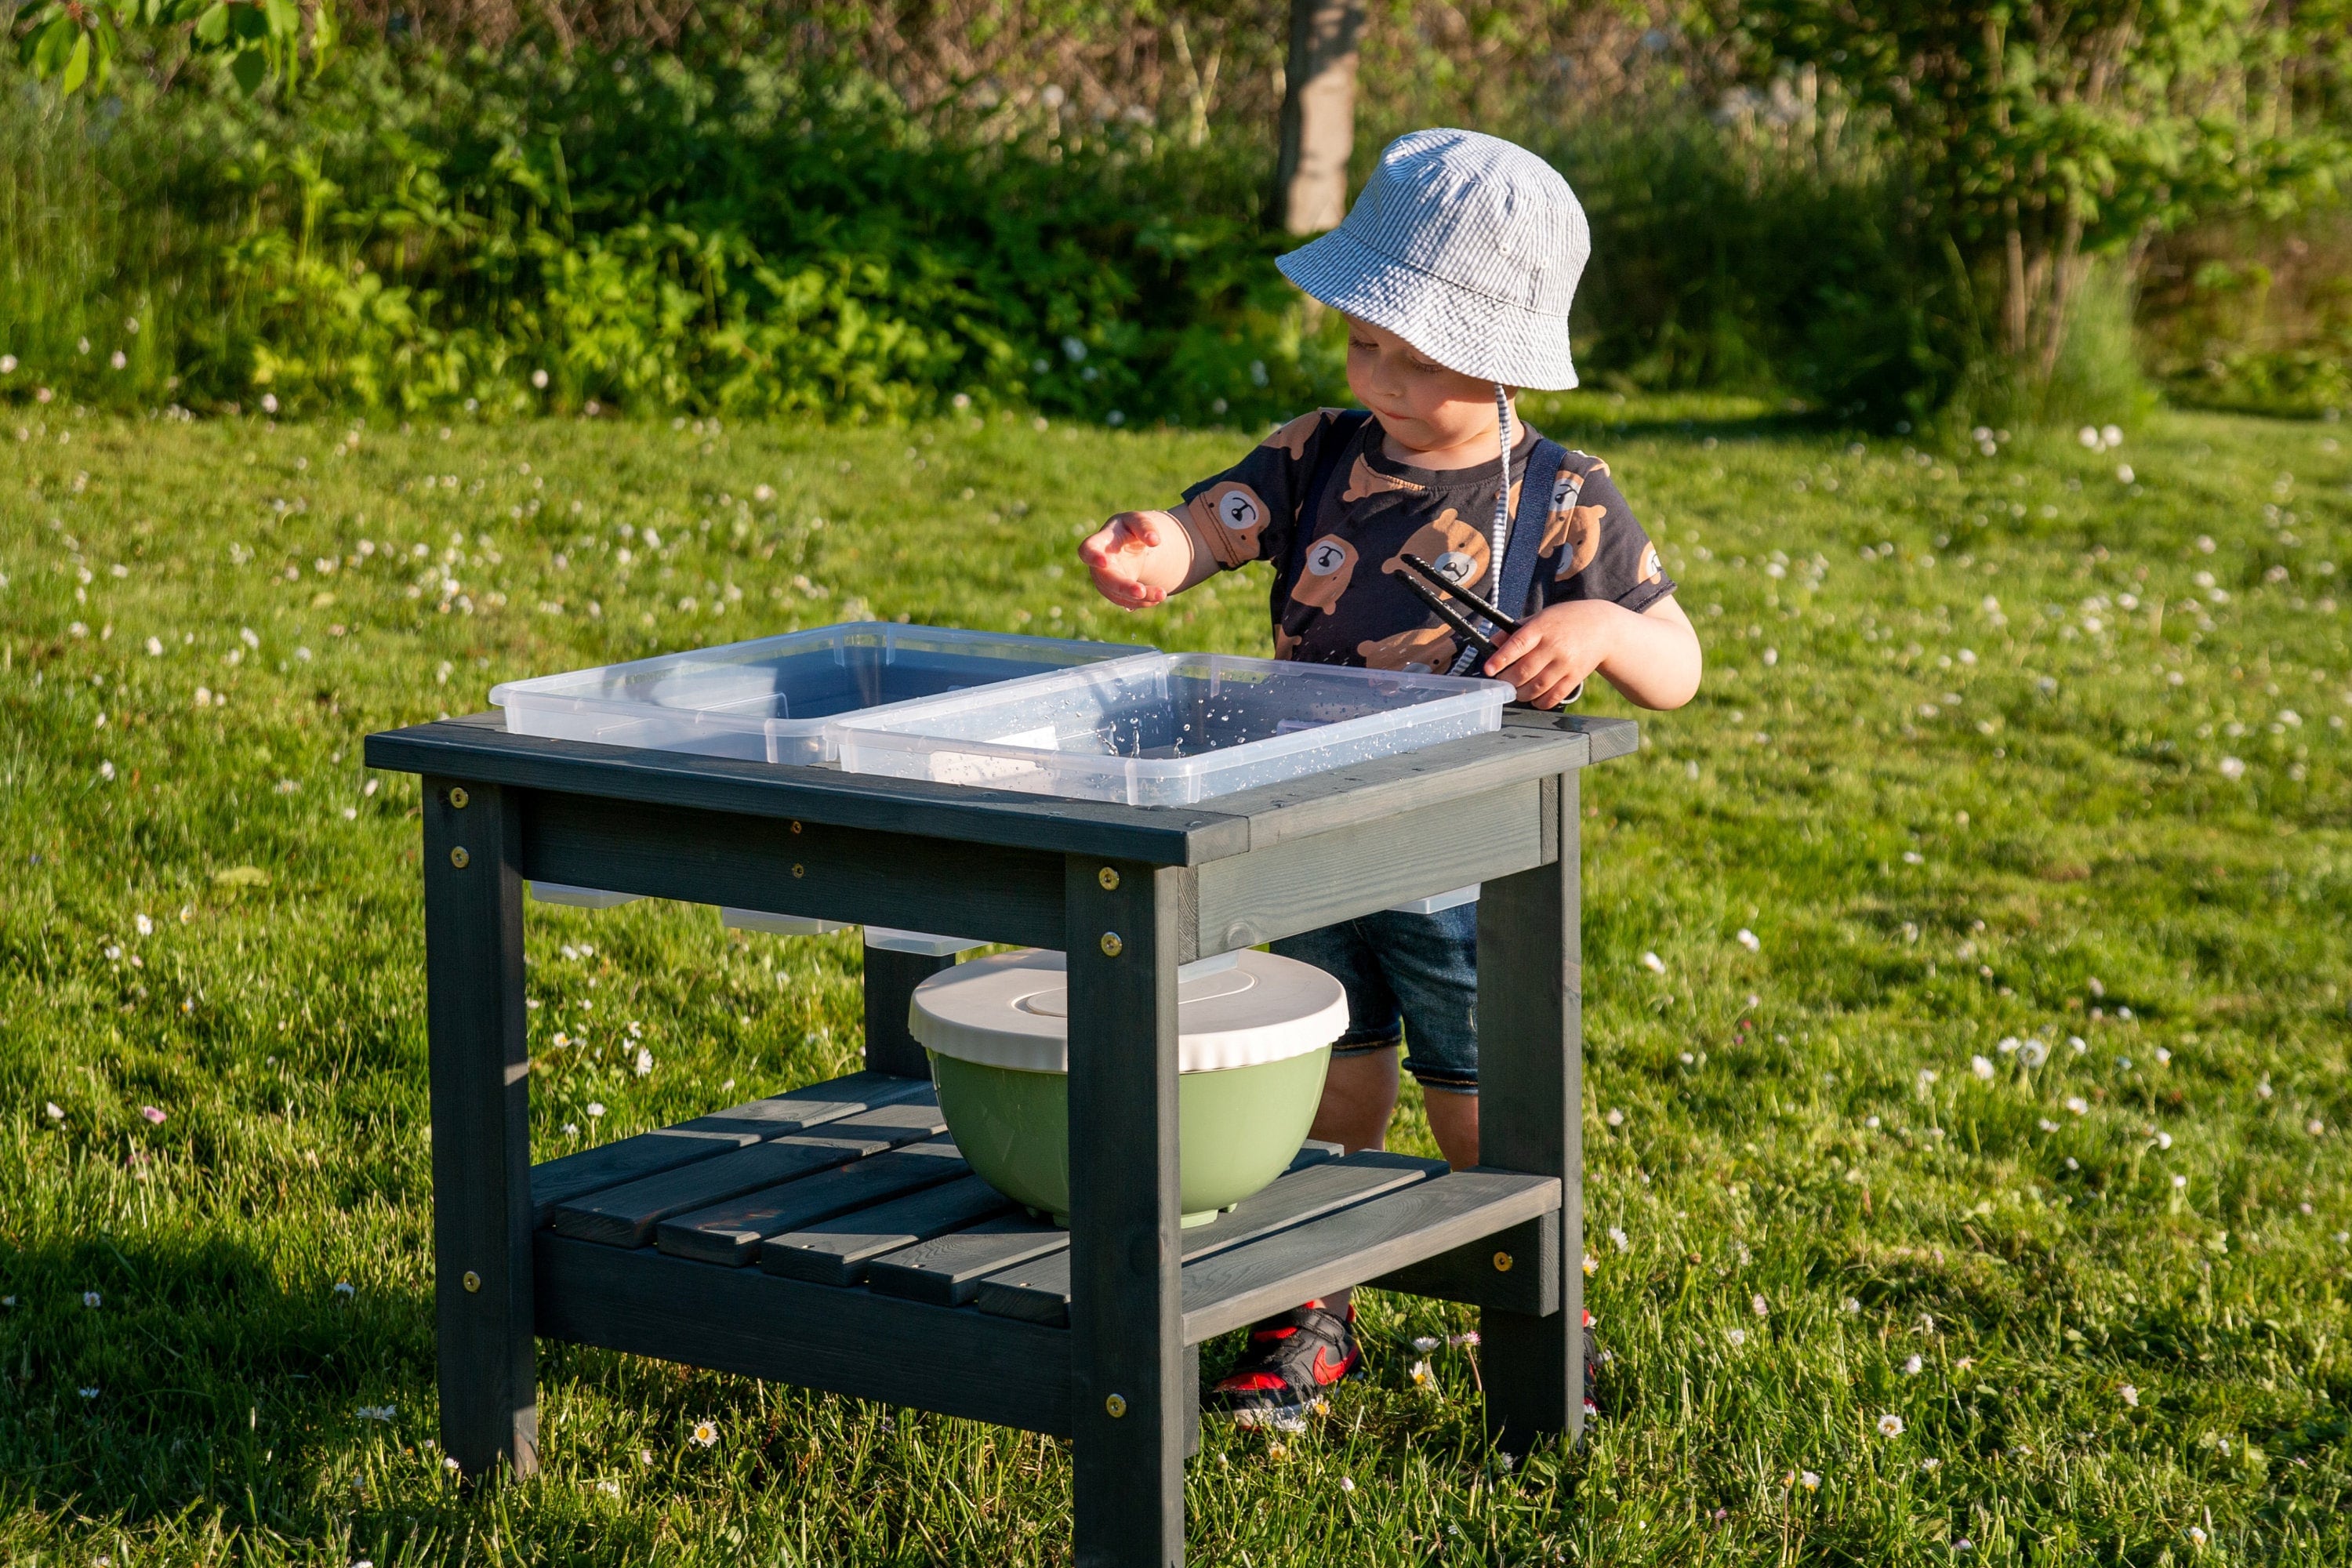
(851, 1343)
(479, 1057)
(1513, 1270)
(1039, 1289)
(626, 1215)
(1608, 737)
(856, 875)
(1369, 791)
(731, 1233)
(1238, 1286)
(1306, 883)
(946, 1269)
(837, 1251)
(754, 1122)
(1160, 836)
(1130, 928)
(1532, 1067)
(891, 981)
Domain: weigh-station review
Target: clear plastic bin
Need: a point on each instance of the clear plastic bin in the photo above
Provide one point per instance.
(769, 699)
(1167, 728)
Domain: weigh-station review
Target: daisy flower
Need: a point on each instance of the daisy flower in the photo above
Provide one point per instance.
(1890, 1424)
(705, 1433)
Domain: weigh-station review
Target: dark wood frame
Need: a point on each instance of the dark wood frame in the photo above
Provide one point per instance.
(1130, 893)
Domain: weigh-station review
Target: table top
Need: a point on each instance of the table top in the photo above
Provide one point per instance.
(478, 749)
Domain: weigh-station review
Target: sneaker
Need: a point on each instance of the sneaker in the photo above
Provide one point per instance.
(1291, 1362)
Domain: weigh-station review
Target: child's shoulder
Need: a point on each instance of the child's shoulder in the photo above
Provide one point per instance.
(1294, 437)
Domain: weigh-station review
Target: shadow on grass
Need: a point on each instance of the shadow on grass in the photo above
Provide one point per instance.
(143, 1379)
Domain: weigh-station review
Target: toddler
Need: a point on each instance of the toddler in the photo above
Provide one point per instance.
(1453, 271)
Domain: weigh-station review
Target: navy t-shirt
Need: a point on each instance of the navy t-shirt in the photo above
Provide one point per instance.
(1346, 606)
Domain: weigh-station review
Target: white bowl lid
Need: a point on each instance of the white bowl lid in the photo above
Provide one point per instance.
(1013, 1011)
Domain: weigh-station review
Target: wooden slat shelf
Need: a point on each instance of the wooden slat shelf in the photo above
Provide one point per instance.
(870, 1203)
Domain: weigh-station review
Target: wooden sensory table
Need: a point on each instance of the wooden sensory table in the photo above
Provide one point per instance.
(830, 1238)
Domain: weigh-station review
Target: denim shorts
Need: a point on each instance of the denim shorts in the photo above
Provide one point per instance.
(1420, 971)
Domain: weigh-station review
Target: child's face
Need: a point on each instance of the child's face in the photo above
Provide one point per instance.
(1421, 405)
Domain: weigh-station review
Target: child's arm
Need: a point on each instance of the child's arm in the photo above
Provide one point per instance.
(1652, 655)
(1139, 558)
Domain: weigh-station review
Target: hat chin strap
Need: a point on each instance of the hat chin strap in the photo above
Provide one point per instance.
(1498, 537)
(1501, 533)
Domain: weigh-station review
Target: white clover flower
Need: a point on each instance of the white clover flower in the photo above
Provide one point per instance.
(1912, 1367)
(1653, 963)
(2232, 768)
(1346, 1484)
(1426, 1343)
(1981, 1066)
(539, 379)
(2179, 1182)
(1748, 939)
(595, 1109)
(1738, 1337)
(92, 1300)
(645, 1063)
(56, 1113)
(1760, 1307)
(2315, 1126)
(1890, 1424)
(2034, 1053)
(1851, 1304)
(146, 927)
(2078, 1105)
(2130, 1396)
(2196, 1536)
(1616, 1117)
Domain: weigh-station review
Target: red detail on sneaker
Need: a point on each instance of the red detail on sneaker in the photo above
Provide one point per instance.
(1588, 1317)
(1250, 1383)
(1272, 1334)
(1327, 1371)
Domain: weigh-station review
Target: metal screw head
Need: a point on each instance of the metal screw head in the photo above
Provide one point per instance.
(1116, 1404)
(796, 827)
(1111, 945)
(473, 1282)
(458, 797)
(1502, 1263)
(799, 870)
(458, 858)
(1108, 879)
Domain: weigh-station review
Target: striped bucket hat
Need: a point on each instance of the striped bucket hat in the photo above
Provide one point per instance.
(1468, 247)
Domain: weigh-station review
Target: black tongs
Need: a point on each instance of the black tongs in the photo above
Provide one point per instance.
(1430, 584)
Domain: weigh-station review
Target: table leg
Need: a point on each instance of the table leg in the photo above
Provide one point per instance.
(1132, 1414)
(1531, 1118)
(890, 980)
(481, 1062)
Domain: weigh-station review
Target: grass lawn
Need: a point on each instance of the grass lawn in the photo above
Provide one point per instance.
(1967, 986)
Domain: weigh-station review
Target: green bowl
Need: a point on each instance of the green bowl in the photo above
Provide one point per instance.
(1239, 1128)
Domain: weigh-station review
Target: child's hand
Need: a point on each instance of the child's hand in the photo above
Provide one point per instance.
(1555, 648)
(1138, 558)
(1652, 656)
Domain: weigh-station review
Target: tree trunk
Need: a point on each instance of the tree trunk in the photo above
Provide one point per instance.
(1319, 116)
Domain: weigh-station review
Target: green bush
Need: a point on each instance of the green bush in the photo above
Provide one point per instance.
(712, 234)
